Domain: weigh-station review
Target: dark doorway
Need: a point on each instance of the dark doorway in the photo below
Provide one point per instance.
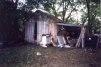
(35, 31)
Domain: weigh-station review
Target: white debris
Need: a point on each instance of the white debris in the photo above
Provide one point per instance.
(38, 54)
(67, 46)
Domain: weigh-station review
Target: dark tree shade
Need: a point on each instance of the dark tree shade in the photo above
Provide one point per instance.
(8, 21)
(96, 1)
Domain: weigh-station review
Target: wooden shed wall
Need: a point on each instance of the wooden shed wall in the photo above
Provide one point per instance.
(45, 25)
(53, 30)
(42, 27)
(29, 30)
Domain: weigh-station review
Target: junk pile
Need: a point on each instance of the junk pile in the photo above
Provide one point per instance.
(90, 41)
(71, 38)
(61, 41)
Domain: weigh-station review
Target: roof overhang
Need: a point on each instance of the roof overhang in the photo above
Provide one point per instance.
(69, 27)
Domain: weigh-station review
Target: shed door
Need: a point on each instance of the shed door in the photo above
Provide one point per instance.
(35, 31)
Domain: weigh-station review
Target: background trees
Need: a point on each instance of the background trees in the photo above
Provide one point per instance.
(61, 9)
(92, 15)
(8, 21)
(69, 11)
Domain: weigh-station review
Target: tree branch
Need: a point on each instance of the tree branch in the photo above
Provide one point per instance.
(65, 6)
(69, 15)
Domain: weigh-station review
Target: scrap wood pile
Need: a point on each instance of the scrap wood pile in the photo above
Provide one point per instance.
(67, 40)
(62, 41)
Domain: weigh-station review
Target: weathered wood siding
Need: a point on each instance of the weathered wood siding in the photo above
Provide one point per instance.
(45, 25)
(29, 30)
(42, 27)
(53, 30)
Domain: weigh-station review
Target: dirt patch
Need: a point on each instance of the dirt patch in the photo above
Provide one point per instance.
(36, 56)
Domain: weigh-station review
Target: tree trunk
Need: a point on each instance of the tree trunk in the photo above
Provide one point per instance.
(89, 19)
(63, 11)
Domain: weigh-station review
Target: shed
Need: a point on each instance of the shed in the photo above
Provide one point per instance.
(40, 24)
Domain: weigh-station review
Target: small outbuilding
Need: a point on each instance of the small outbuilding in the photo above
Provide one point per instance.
(39, 25)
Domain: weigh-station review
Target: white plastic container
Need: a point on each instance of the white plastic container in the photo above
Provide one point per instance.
(46, 39)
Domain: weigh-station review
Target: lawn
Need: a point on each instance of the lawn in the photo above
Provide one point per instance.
(36, 56)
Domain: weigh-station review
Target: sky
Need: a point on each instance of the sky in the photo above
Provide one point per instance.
(23, 1)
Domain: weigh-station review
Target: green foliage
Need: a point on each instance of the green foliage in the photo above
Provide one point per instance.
(95, 25)
(21, 21)
(58, 8)
(22, 18)
(72, 21)
(96, 1)
(30, 4)
(95, 9)
(92, 14)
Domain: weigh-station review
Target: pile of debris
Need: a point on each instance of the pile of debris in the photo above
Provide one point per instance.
(47, 40)
(91, 41)
(70, 37)
(66, 36)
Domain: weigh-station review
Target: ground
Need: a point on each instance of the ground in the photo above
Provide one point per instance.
(36, 56)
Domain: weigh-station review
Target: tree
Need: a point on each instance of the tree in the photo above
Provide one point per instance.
(89, 19)
(8, 20)
(61, 9)
(92, 14)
